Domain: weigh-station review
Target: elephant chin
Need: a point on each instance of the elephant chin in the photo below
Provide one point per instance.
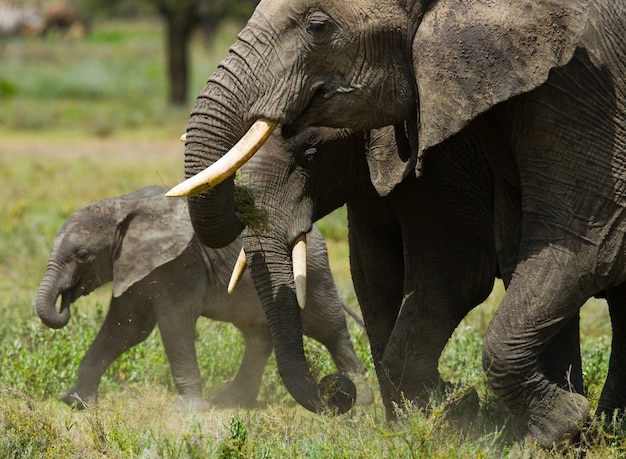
(338, 393)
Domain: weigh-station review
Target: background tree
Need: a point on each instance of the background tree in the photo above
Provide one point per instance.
(182, 18)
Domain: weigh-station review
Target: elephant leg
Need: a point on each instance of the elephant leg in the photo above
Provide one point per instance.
(613, 398)
(544, 296)
(127, 324)
(377, 266)
(560, 361)
(178, 333)
(244, 389)
(411, 358)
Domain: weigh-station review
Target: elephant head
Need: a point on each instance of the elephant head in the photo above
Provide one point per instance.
(99, 243)
(428, 66)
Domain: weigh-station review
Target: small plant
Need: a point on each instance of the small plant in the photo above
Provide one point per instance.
(235, 446)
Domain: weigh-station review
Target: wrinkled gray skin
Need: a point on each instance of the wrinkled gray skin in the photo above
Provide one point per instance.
(161, 274)
(418, 265)
(541, 83)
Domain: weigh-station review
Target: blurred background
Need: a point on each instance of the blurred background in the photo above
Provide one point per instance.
(105, 66)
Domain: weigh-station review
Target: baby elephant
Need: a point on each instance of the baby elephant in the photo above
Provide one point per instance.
(144, 243)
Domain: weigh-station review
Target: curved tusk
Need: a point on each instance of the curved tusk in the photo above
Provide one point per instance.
(228, 164)
(238, 270)
(298, 257)
(183, 138)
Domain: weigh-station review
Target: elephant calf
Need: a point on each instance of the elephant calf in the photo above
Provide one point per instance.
(145, 244)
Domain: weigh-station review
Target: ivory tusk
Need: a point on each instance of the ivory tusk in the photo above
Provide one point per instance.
(298, 257)
(183, 138)
(238, 270)
(228, 164)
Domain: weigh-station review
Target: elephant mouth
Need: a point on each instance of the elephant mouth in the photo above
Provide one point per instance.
(67, 298)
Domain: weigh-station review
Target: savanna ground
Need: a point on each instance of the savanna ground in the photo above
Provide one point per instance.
(86, 120)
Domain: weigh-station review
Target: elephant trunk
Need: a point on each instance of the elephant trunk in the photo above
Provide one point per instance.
(217, 122)
(46, 298)
(271, 270)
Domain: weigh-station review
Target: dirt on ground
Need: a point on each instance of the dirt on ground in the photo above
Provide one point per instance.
(74, 148)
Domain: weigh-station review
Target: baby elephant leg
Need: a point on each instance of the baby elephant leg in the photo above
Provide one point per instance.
(126, 325)
(244, 389)
(178, 334)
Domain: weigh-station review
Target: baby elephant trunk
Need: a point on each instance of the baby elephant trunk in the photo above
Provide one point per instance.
(45, 303)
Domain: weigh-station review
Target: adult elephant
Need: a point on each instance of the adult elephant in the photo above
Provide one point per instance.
(418, 265)
(540, 82)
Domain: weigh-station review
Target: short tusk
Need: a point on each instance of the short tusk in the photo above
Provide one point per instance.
(183, 138)
(228, 164)
(238, 270)
(298, 257)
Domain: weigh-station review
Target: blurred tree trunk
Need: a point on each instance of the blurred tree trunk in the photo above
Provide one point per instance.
(181, 17)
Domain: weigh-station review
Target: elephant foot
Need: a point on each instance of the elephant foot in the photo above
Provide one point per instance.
(558, 419)
(338, 393)
(364, 393)
(234, 398)
(612, 404)
(189, 403)
(74, 399)
(462, 405)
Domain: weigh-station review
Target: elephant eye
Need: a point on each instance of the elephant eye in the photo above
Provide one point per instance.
(81, 255)
(318, 23)
(309, 157)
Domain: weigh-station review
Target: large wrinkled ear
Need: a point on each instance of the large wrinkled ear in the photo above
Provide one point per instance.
(391, 155)
(471, 55)
(153, 231)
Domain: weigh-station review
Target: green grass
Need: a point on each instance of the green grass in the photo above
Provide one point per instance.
(103, 100)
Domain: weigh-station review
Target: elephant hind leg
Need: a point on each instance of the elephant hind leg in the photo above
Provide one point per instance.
(613, 398)
(244, 389)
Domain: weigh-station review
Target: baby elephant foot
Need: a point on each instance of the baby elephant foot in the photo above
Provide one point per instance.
(75, 399)
(558, 419)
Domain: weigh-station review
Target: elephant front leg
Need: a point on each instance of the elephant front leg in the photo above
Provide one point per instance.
(411, 359)
(126, 325)
(541, 300)
(244, 389)
(377, 266)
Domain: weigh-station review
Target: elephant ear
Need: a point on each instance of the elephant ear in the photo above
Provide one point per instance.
(153, 231)
(470, 55)
(391, 156)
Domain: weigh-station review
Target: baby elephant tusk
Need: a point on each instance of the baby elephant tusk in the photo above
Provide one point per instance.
(298, 257)
(238, 270)
(228, 164)
(183, 138)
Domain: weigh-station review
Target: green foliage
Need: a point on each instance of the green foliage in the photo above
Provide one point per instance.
(234, 447)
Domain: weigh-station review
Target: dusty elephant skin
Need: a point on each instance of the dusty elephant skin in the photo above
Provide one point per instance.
(163, 276)
(540, 83)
